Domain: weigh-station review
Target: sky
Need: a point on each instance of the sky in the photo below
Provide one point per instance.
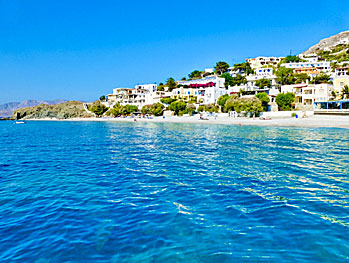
(82, 49)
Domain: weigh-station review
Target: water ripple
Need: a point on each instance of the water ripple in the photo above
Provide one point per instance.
(137, 192)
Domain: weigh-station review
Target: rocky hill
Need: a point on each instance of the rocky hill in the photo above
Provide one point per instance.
(7, 109)
(328, 44)
(67, 110)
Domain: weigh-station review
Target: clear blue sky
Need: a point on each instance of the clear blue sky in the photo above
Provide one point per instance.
(74, 49)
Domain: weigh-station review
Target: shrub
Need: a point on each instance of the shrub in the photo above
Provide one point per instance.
(285, 100)
(263, 97)
(178, 106)
(98, 108)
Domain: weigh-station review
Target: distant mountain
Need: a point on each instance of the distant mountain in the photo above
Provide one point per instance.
(328, 44)
(7, 109)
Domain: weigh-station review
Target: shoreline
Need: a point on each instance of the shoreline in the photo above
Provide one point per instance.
(315, 121)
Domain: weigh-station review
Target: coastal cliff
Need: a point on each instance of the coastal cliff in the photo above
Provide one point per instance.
(67, 110)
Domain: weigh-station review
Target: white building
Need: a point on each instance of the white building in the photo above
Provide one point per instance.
(307, 94)
(205, 91)
(156, 96)
(149, 87)
(259, 62)
(343, 71)
(311, 58)
(207, 81)
(324, 66)
(137, 97)
(209, 70)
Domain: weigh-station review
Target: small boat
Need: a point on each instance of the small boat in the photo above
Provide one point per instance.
(20, 122)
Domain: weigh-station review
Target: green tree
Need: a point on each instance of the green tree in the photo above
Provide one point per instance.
(244, 68)
(233, 81)
(221, 67)
(262, 83)
(285, 100)
(98, 108)
(211, 108)
(228, 79)
(201, 108)
(222, 100)
(196, 74)
(171, 84)
(285, 76)
(321, 78)
(167, 101)
(263, 97)
(191, 108)
(102, 98)
(345, 92)
(157, 109)
(301, 78)
(289, 59)
(238, 80)
(147, 109)
(117, 110)
(128, 109)
(178, 106)
(231, 102)
(160, 88)
(247, 105)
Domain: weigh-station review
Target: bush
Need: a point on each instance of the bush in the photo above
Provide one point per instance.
(222, 100)
(248, 105)
(98, 108)
(157, 109)
(178, 106)
(285, 100)
(263, 97)
(167, 101)
(119, 110)
(201, 108)
(190, 109)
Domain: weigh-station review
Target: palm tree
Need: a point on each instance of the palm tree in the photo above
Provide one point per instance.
(345, 91)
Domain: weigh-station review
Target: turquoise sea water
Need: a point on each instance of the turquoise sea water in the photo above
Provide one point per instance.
(137, 192)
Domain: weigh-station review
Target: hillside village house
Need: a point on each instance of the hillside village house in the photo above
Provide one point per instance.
(312, 71)
(149, 87)
(341, 78)
(206, 90)
(307, 94)
(156, 96)
(261, 73)
(259, 62)
(137, 97)
(324, 66)
(309, 57)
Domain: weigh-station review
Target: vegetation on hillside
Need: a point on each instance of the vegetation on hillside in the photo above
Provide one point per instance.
(67, 110)
(339, 53)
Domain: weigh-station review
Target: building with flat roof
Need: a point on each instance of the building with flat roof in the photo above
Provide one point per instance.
(205, 91)
(307, 94)
(323, 66)
(259, 62)
(126, 96)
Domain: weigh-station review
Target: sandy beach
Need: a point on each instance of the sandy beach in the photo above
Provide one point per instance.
(333, 121)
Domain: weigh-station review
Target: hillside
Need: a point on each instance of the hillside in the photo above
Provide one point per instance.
(338, 43)
(7, 109)
(67, 110)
